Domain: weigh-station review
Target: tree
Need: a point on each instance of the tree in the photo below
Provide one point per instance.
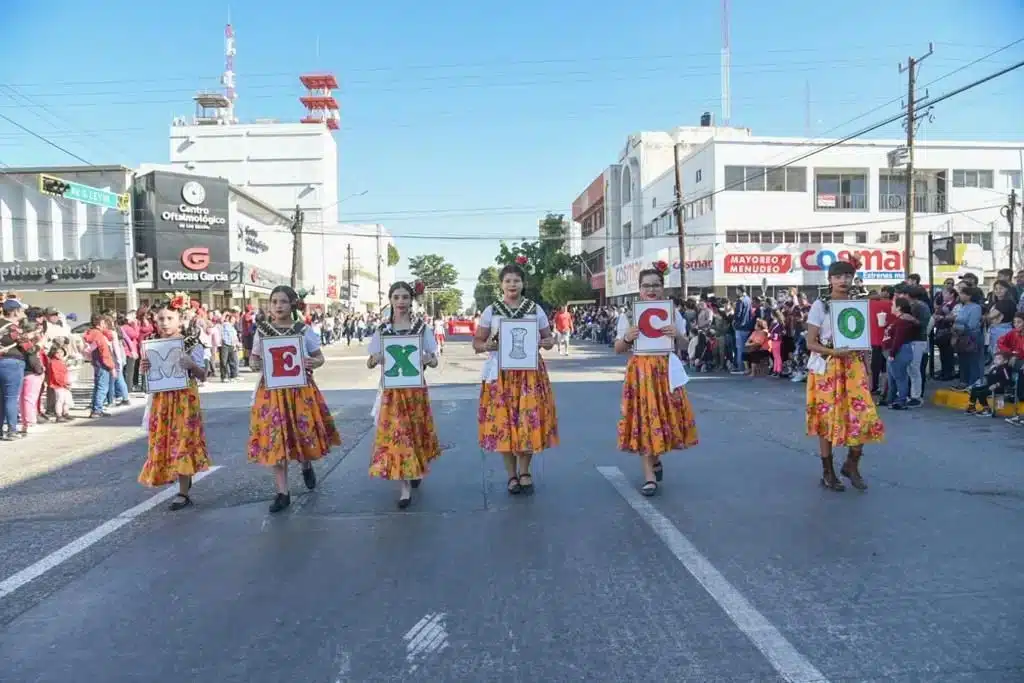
(562, 289)
(439, 278)
(434, 271)
(546, 258)
(393, 256)
(488, 289)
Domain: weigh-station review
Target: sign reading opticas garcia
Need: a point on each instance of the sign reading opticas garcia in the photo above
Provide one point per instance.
(183, 227)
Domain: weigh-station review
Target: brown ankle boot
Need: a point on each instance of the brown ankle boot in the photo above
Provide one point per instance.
(851, 470)
(828, 475)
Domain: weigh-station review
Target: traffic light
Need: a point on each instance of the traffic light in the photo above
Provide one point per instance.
(54, 186)
(143, 267)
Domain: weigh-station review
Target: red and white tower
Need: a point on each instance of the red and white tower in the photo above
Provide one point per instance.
(321, 107)
(228, 78)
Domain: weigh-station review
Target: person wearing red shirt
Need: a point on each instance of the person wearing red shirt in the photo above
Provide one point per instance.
(98, 347)
(897, 344)
(880, 314)
(563, 329)
(59, 380)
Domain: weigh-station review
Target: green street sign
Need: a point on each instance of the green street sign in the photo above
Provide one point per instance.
(58, 187)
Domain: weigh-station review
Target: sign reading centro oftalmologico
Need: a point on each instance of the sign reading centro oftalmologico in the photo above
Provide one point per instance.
(187, 233)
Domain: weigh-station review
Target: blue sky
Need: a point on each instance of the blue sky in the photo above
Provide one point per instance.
(463, 123)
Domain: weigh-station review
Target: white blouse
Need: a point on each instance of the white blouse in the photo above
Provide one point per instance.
(677, 376)
(492, 321)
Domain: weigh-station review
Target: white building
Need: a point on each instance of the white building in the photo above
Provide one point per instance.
(354, 257)
(750, 222)
(283, 164)
(61, 252)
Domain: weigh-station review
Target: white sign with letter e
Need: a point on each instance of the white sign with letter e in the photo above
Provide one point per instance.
(403, 361)
(518, 344)
(165, 370)
(649, 317)
(283, 362)
(851, 328)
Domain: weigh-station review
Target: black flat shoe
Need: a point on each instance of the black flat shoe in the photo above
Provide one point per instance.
(309, 477)
(404, 502)
(527, 488)
(649, 488)
(415, 483)
(281, 501)
(514, 488)
(180, 502)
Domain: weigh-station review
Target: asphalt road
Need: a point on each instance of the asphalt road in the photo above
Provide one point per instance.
(741, 569)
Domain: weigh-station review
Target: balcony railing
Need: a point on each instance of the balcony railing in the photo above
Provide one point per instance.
(923, 203)
(826, 201)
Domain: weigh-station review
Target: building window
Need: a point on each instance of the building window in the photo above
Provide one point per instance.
(1011, 180)
(766, 179)
(698, 174)
(788, 237)
(654, 202)
(627, 185)
(841, 192)
(972, 178)
(627, 239)
(983, 239)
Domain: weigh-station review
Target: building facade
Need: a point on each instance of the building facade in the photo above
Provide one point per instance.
(61, 252)
(285, 165)
(751, 218)
(354, 259)
(588, 212)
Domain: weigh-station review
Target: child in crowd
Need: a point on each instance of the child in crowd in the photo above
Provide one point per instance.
(59, 382)
(897, 345)
(998, 382)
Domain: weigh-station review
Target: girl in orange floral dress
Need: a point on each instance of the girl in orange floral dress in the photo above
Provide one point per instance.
(840, 411)
(293, 423)
(177, 439)
(656, 413)
(405, 440)
(517, 416)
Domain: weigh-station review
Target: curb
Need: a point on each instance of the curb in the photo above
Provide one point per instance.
(957, 400)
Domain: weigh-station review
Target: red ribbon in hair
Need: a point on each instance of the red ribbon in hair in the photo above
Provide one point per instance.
(522, 260)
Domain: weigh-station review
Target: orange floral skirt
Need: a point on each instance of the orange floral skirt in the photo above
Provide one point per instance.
(839, 404)
(405, 441)
(517, 412)
(177, 438)
(290, 424)
(654, 419)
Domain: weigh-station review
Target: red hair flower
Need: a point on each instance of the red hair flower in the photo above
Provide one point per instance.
(179, 300)
(300, 305)
(522, 260)
(661, 267)
(419, 287)
(854, 261)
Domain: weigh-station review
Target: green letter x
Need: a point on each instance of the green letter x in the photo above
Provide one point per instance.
(402, 364)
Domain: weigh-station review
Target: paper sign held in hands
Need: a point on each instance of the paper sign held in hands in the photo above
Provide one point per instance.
(283, 362)
(403, 361)
(518, 344)
(851, 328)
(649, 317)
(165, 369)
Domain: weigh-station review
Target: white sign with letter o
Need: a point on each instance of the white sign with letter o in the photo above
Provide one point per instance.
(851, 327)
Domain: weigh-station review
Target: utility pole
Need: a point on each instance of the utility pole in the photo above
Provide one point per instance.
(132, 294)
(380, 264)
(1009, 212)
(348, 276)
(679, 223)
(296, 246)
(908, 199)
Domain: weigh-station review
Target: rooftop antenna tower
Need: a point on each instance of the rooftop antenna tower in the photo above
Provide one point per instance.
(218, 108)
(726, 65)
(321, 107)
(228, 78)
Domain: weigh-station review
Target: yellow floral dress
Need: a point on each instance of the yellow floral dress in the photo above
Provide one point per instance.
(177, 437)
(839, 404)
(294, 423)
(517, 407)
(405, 440)
(655, 418)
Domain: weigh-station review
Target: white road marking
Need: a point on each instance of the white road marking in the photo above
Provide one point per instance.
(58, 557)
(779, 652)
(427, 637)
(344, 664)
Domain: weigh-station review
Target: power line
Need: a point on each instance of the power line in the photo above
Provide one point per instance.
(44, 139)
(671, 74)
(527, 235)
(496, 62)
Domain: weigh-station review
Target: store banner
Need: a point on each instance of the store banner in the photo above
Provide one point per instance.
(624, 278)
(797, 265)
(181, 222)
